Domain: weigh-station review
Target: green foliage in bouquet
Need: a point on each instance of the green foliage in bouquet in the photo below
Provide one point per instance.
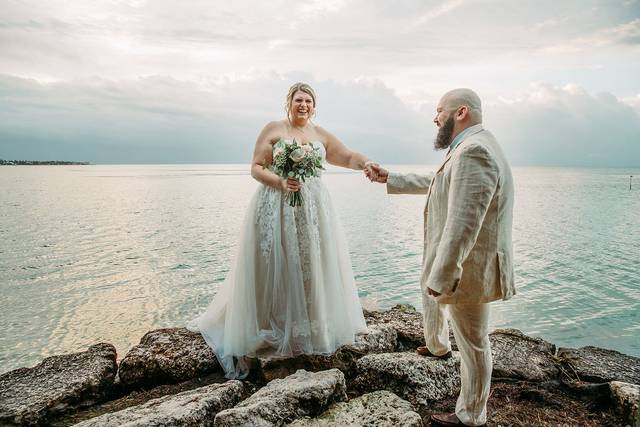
(294, 160)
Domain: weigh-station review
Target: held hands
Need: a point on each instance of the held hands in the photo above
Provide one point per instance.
(290, 184)
(375, 173)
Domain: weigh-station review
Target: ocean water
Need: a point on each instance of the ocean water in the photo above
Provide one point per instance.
(107, 253)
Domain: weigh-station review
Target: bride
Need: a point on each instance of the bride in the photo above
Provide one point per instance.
(290, 289)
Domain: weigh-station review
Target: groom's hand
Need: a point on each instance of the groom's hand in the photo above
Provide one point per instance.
(376, 173)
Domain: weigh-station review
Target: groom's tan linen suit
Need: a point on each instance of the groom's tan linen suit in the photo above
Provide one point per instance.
(467, 256)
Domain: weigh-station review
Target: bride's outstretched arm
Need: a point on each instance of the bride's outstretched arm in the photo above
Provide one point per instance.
(262, 156)
(338, 154)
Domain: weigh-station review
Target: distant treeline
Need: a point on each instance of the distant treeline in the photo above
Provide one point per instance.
(40, 162)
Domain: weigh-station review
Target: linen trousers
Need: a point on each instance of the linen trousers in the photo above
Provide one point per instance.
(470, 324)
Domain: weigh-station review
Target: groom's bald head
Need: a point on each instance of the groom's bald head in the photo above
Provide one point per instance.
(457, 98)
(457, 110)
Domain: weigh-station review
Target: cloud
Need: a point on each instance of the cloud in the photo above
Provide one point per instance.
(163, 120)
(633, 101)
(626, 34)
(442, 9)
(552, 22)
(567, 126)
(310, 10)
(159, 119)
(485, 42)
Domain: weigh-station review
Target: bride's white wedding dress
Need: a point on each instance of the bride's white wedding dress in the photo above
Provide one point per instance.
(291, 286)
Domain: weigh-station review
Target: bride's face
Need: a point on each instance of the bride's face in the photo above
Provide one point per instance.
(301, 106)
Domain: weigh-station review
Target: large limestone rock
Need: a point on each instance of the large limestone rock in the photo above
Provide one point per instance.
(166, 356)
(379, 339)
(380, 408)
(626, 398)
(405, 319)
(418, 379)
(196, 407)
(599, 365)
(31, 396)
(284, 400)
(516, 355)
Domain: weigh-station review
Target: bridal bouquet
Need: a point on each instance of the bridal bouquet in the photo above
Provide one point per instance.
(294, 160)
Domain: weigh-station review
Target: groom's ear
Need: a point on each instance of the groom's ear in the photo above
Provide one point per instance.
(462, 112)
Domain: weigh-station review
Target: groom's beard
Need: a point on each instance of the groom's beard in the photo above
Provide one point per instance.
(443, 138)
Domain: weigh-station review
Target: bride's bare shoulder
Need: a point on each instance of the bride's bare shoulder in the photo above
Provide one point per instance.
(276, 125)
(325, 136)
(273, 131)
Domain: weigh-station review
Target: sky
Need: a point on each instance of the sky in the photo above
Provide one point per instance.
(131, 81)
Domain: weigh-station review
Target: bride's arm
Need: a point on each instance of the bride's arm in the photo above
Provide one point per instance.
(338, 154)
(262, 155)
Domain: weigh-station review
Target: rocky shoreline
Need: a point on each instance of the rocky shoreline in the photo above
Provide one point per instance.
(172, 379)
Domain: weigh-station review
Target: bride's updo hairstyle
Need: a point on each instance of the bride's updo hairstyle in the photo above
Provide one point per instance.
(303, 87)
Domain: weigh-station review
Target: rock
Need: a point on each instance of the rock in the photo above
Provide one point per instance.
(418, 379)
(516, 355)
(31, 396)
(379, 339)
(284, 400)
(626, 398)
(166, 356)
(196, 407)
(405, 319)
(599, 365)
(380, 408)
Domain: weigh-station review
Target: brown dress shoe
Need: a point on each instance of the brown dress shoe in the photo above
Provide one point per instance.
(446, 420)
(424, 351)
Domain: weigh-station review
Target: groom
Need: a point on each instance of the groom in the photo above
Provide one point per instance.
(467, 258)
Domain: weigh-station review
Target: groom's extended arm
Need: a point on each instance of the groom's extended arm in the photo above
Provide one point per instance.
(410, 183)
(474, 180)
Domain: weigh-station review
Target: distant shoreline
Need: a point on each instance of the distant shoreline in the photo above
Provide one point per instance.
(38, 162)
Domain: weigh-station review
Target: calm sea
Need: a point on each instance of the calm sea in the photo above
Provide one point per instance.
(107, 253)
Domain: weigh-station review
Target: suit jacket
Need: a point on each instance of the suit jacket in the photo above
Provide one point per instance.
(468, 254)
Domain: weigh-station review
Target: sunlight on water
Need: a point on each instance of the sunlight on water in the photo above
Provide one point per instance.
(106, 253)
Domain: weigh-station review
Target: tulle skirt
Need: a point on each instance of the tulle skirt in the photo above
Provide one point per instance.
(290, 289)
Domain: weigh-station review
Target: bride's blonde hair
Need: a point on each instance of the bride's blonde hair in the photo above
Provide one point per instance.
(303, 87)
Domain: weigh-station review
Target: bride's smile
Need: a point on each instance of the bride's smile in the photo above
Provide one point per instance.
(303, 105)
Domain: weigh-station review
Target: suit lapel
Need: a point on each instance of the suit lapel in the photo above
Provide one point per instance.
(444, 162)
(446, 159)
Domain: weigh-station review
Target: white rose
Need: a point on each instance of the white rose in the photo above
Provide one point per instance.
(307, 148)
(278, 151)
(297, 155)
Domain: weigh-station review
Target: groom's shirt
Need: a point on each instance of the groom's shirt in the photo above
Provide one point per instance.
(458, 139)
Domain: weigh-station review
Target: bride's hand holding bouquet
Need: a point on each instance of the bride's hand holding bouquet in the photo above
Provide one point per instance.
(295, 162)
